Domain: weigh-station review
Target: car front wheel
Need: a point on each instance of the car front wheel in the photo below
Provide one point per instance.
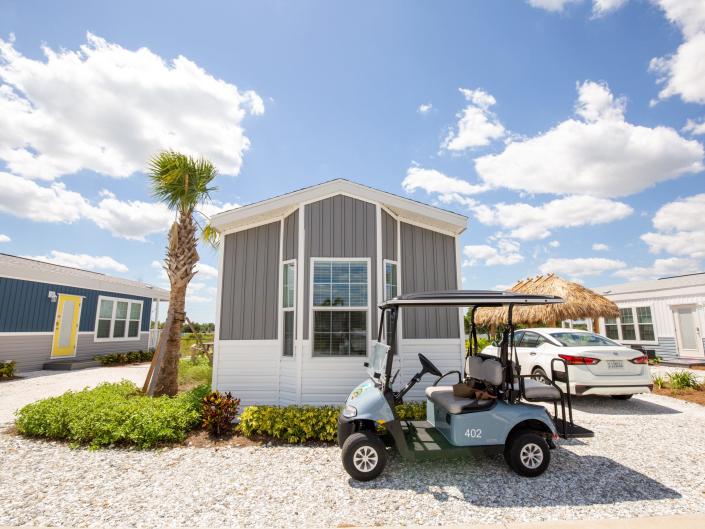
(540, 375)
(528, 454)
(364, 456)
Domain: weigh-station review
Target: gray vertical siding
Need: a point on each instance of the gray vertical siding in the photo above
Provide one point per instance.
(339, 226)
(389, 237)
(250, 284)
(666, 348)
(27, 308)
(428, 263)
(291, 236)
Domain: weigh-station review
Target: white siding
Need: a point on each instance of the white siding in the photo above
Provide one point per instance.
(662, 303)
(288, 374)
(249, 370)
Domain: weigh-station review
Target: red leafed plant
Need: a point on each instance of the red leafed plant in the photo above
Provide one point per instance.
(219, 412)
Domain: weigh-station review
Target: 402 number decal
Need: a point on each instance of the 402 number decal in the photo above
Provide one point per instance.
(473, 433)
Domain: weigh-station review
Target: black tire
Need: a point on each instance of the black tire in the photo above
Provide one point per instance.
(528, 454)
(539, 374)
(621, 397)
(364, 456)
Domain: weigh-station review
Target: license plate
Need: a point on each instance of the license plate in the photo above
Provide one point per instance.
(615, 364)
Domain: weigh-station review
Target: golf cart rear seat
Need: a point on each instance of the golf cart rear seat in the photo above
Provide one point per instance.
(488, 372)
(535, 390)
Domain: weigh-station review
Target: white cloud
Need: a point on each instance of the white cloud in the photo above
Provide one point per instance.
(694, 127)
(424, 108)
(660, 268)
(604, 7)
(122, 111)
(26, 199)
(679, 228)
(132, 219)
(581, 266)
(683, 73)
(4, 238)
(554, 244)
(600, 154)
(529, 222)
(448, 188)
(600, 247)
(214, 207)
(506, 253)
(157, 264)
(477, 124)
(206, 270)
(84, 261)
(554, 6)
(503, 286)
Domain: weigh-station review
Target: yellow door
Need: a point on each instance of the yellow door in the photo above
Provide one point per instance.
(68, 314)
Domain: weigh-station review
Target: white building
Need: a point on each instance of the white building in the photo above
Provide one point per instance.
(666, 316)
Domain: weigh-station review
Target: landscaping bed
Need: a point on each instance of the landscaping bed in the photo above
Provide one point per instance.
(682, 385)
(629, 469)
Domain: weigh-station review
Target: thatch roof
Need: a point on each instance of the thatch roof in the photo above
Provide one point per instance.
(580, 302)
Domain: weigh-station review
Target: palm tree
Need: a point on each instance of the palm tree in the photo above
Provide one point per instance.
(182, 183)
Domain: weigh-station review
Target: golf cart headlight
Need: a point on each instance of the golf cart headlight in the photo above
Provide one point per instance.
(349, 411)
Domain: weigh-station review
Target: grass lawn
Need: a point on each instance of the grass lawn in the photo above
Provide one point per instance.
(193, 374)
(187, 340)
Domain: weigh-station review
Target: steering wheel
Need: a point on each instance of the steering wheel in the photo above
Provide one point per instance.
(428, 366)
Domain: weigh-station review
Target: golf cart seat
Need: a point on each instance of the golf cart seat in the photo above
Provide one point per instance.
(535, 390)
(443, 396)
(485, 373)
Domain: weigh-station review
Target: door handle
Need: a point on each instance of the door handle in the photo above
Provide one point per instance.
(533, 353)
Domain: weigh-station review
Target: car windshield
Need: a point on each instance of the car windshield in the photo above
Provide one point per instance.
(581, 339)
(378, 359)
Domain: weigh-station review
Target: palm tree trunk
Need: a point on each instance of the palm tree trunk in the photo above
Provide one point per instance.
(181, 259)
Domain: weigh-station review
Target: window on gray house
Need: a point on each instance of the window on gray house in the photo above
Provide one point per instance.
(340, 308)
(288, 303)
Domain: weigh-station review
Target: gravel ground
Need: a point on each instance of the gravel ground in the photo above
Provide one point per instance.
(35, 385)
(647, 458)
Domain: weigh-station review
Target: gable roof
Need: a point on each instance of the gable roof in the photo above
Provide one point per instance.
(280, 205)
(16, 267)
(663, 283)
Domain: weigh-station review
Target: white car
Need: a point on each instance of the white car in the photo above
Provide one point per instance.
(596, 364)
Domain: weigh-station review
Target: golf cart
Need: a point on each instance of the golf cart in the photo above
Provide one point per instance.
(498, 414)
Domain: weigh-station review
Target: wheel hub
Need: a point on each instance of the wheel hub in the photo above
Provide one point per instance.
(365, 459)
(531, 455)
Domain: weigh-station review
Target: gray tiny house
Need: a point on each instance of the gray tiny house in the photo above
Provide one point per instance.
(301, 276)
(56, 316)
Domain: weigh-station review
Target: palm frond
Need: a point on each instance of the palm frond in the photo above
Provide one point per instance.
(210, 236)
(180, 181)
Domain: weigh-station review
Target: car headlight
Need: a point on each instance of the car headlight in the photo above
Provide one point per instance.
(349, 411)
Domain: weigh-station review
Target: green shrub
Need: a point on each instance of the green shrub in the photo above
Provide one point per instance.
(219, 412)
(291, 424)
(7, 369)
(659, 381)
(683, 380)
(132, 357)
(112, 414)
(299, 424)
(412, 411)
(198, 372)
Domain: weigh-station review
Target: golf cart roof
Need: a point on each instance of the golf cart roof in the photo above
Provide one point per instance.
(468, 298)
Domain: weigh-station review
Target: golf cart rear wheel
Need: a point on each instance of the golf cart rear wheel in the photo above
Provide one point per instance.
(528, 454)
(364, 456)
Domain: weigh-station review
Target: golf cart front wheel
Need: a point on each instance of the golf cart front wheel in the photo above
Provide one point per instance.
(528, 454)
(364, 456)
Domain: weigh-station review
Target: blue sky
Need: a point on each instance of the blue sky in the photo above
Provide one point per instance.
(583, 118)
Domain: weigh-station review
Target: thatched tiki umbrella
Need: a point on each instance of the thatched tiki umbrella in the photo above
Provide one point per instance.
(580, 303)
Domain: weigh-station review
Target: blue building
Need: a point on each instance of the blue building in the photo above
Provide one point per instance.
(51, 314)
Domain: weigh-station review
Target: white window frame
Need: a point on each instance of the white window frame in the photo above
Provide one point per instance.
(603, 326)
(288, 309)
(115, 301)
(312, 308)
(385, 262)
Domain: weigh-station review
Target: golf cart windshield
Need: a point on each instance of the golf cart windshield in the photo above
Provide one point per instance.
(378, 359)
